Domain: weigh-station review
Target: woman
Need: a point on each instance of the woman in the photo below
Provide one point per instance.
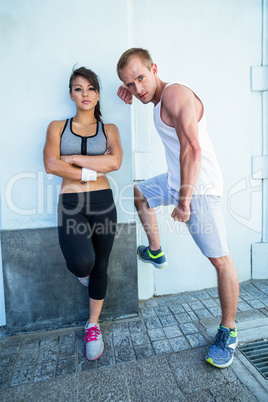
(82, 150)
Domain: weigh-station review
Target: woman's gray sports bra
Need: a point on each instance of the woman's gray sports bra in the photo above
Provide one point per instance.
(75, 144)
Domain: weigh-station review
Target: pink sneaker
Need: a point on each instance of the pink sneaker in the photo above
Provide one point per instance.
(84, 281)
(94, 341)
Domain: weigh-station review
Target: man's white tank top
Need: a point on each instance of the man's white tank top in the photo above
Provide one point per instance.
(210, 180)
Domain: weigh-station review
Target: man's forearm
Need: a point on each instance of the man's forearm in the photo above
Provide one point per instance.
(190, 165)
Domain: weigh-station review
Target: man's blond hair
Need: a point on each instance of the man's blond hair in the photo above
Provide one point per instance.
(129, 54)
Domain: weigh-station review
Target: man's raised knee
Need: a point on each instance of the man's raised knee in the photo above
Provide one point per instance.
(220, 263)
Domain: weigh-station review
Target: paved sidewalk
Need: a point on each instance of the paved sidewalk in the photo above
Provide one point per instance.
(158, 356)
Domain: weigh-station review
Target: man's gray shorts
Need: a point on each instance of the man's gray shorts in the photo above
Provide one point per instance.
(206, 223)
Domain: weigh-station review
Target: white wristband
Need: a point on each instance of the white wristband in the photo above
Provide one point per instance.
(88, 175)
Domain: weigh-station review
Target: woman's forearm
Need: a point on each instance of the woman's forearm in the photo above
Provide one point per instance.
(100, 163)
(63, 169)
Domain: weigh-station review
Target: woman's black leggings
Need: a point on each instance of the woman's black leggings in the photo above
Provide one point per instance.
(86, 230)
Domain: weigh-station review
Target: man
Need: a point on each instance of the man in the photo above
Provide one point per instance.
(193, 183)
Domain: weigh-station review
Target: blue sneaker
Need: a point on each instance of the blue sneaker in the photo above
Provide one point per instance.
(158, 260)
(221, 351)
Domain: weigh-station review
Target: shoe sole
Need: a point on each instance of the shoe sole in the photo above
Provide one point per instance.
(82, 283)
(158, 266)
(95, 358)
(210, 361)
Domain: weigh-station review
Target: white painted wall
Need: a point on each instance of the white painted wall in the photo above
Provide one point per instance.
(41, 42)
(210, 44)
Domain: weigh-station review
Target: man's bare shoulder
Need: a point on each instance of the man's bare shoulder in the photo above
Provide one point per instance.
(176, 91)
(176, 96)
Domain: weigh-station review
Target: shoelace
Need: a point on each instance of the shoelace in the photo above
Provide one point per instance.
(222, 339)
(92, 334)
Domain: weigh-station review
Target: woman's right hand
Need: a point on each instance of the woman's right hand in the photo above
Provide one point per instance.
(125, 95)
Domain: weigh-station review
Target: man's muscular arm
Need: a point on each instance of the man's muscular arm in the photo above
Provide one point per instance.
(178, 105)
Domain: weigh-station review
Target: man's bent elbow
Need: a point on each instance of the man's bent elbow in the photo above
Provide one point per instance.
(196, 152)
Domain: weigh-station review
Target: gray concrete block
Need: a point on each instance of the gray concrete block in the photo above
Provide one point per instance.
(213, 292)
(204, 396)
(143, 351)
(172, 332)
(265, 291)
(250, 288)
(262, 285)
(191, 371)
(179, 343)
(161, 347)
(22, 375)
(123, 350)
(17, 394)
(243, 306)
(168, 320)
(44, 371)
(65, 366)
(190, 297)
(265, 301)
(151, 380)
(176, 308)
(202, 295)
(192, 315)
(148, 312)
(163, 300)
(136, 326)
(189, 328)
(37, 283)
(186, 307)
(49, 342)
(7, 361)
(204, 313)
(9, 346)
(232, 392)
(102, 385)
(183, 318)
(27, 358)
(67, 344)
(83, 364)
(196, 340)
(256, 303)
(139, 338)
(156, 334)
(160, 311)
(215, 311)
(61, 390)
(107, 358)
(249, 315)
(178, 299)
(151, 303)
(217, 301)
(195, 305)
(120, 330)
(246, 296)
(5, 375)
(29, 345)
(152, 323)
(209, 303)
(46, 356)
